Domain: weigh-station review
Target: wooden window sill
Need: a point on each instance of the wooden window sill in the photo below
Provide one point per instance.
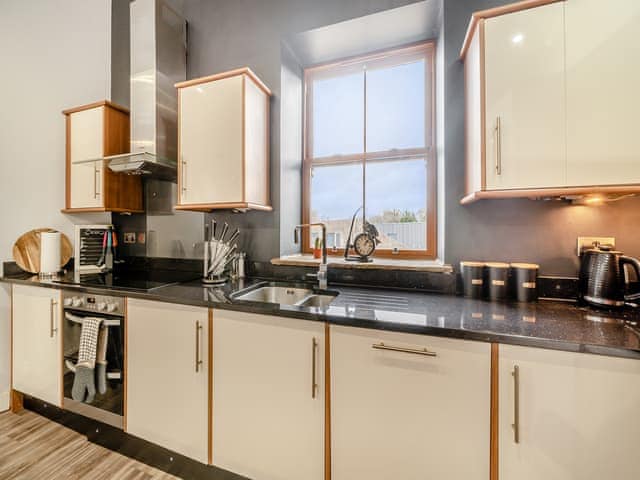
(378, 263)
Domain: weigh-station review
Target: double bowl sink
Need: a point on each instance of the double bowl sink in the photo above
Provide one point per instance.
(283, 294)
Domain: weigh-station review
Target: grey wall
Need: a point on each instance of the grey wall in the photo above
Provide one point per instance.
(226, 35)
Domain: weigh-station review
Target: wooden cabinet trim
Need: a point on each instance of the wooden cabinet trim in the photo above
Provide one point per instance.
(327, 402)
(119, 192)
(496, 12)
(101, 103)
(210, 389)
(494, 445)
(534, 193)
(126, 365)
(244, 138)
(231, 73)
(67, 163)
(207, 207)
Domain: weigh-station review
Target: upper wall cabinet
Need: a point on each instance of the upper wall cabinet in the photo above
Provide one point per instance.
(603, 74)
(223, 142)
(93, 132)
(550, 99)
(524, 99)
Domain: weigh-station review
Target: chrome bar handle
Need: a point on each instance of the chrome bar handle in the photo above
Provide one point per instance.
(98, 180)
(184, 176)
(198, 335)
(416, 351)
(516, 403)
(95, 182)
(52, 313)
(498, 132)
(314, 381)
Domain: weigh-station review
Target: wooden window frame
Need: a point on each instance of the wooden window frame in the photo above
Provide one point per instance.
(423, 50)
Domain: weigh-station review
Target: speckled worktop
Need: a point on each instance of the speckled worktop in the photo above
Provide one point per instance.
(545, 324)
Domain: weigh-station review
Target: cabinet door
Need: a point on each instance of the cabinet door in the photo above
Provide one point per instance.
(408, 416)
(37, 343)
(577, 416)
(525, 99)
(86, 137)
(211, 142)
(603, 74)
(167, 389)
(267, 424)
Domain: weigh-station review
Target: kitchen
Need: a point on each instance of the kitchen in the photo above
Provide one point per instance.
(259, 384)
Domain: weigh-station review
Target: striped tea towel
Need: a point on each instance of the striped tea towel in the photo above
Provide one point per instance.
(88, 342)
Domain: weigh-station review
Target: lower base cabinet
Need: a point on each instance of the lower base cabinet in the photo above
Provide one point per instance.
(577, 415)
(401, 414)
(168, 376)
(37, 343)
(268, 418)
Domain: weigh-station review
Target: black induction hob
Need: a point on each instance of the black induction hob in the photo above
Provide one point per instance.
(131, 280)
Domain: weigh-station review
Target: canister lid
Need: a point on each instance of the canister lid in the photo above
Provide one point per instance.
(526, 266)
(466, 263)
(497, 265)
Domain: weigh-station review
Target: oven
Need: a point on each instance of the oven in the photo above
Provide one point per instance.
(106, 407)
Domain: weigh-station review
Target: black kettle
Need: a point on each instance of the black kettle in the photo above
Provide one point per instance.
(604, 282)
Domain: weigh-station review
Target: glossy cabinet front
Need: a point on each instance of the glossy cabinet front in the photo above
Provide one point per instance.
(168, 376)
(37, 343)
(603, 74)
(86, 137)
(223, 143)
(575, 413)
(407, 415)
(525, 99)
(268, 418)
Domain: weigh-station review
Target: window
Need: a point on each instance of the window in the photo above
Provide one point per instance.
(369, 143)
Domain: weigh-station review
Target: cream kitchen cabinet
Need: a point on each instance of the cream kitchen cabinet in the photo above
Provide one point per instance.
(223, 142)
(551, 99)
(576, 415)
(603, 74)
(37, 343)
(514, 70)
(525, 99)
(168, 374)
(93, 132)
(408, 406)
(268, 396)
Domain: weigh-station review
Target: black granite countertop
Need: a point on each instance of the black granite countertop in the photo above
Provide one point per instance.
(544, 324)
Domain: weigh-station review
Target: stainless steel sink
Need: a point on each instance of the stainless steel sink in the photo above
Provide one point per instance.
(317, 301)
(287, 295)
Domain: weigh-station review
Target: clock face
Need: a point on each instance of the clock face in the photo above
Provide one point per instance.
(364, 245)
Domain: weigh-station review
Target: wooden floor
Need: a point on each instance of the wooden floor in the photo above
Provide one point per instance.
(32, 447)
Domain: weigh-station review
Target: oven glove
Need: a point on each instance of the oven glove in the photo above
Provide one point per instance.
(84, 382)
(101, 360)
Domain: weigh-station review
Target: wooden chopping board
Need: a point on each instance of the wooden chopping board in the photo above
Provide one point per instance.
(26, 250)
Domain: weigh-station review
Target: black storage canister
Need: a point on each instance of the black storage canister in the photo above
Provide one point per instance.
(525, 276)
(497, 278)
(472, 279)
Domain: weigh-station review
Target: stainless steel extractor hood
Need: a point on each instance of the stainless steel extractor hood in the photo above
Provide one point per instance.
(158, 61)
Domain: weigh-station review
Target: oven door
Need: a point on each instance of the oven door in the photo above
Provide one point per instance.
(106, 407)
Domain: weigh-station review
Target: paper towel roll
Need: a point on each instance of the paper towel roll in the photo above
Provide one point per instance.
(50, 252)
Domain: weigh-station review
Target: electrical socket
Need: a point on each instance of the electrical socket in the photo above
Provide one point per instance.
(129, 237)
(587, 242)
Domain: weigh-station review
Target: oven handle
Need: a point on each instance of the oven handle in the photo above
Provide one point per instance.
(78, 319)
